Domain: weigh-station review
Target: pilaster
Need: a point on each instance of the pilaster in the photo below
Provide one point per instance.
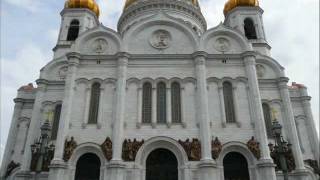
(58, 165)
(266, 166)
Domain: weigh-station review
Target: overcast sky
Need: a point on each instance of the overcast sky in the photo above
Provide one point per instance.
(29, 30)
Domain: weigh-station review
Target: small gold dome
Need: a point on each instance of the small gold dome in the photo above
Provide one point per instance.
(89, 4)
(130, 2)
(231, 4)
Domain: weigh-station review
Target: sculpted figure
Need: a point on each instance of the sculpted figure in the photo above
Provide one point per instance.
(216, 148)
(69, 147)
(106, 147)
(254, 147)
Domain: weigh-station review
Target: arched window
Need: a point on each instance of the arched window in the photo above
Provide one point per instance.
(94, 103)
(55, 124)
(267, 118)
(146, 103)
(161, 103)
(73, 31)
(176, 102)
(228, 102)
(249, 29)
(88, 167)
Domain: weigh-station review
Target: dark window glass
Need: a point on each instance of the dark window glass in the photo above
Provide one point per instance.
(176, 102)
(235, 167)
(94, 103)
(73, 31)
(146, 103)
(249, 29)
(88, 167)
(228, 102)
(161, 102)
(55, 124)
(267, 118)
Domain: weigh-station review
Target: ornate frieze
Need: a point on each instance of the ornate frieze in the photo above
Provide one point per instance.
(106, 147)
(11, 166)
(254, 147)
(216, 148)
(69, 147)
(288, 156)
(192, 148)
(130, 149)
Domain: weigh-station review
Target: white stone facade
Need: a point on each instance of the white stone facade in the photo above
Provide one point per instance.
(200, 60)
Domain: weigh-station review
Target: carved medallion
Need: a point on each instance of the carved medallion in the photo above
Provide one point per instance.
(222, 44)
(130, 149)
(69, 147)
(11, 166)
(254, 147)
(160, 39)
(62, 73)
(216, 148)
(261, 70)
(106, 147)
(99, 46)
(192, 148)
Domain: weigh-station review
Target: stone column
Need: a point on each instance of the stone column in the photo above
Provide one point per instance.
(34, 131)
(116, 165)
(207, 164)
(11, 137)
(139, 108)
(58, 166)
(168, 105)
(222, 106)
(292, 129)
(265, 165)
(310, 123)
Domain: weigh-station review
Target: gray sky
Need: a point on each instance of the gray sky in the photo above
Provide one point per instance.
(29, 30)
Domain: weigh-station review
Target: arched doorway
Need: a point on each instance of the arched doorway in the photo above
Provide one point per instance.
(235, 167)
(88, 167)
(161, 164)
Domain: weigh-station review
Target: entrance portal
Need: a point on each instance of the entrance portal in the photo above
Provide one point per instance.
(162, 164)
(88, 167)
(235, 167)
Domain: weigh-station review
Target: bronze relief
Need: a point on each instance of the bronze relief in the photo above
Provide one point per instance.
(106, 147)
(216, 148)
(130, 149)
(254, 147)
(69, 147)
(192, 148)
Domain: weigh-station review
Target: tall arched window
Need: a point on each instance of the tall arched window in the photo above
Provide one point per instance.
(55, 124)
(228, 102)
(161, 103)
(146, 102)
(73, 31)
(94, 103)
(176, 102)
(267, 118)
(249, 29)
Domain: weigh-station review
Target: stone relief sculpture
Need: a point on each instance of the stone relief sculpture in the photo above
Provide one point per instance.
(62, 73)
(216, 148)
(12, 165)
(160, 39)
(69, 147)
(192, 148)
(106, 147)
(130, 149)
(254, 147)
(99, 46)
(222, 45)
(261, 70)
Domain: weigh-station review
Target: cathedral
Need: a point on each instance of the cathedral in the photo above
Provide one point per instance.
(162, 98)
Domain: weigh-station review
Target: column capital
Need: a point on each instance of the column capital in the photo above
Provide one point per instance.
(282, 82)
(123, 55)
(249, 54)
(18, 101)
(198, 54)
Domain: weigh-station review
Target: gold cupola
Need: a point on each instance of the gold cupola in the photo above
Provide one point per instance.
(130, 2)
(231, 4)
(88, 4)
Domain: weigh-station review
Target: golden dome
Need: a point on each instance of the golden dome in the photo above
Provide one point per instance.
(231, 4)
(89, 4)
(130, 2)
